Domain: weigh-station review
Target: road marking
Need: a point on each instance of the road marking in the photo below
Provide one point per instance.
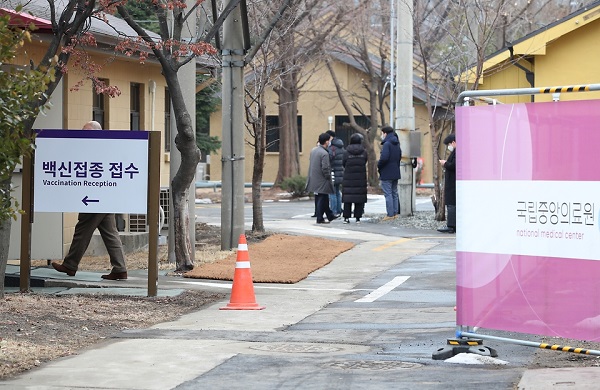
(386, 288)
(390, 244)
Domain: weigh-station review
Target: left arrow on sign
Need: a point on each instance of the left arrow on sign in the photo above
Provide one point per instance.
(86, 200)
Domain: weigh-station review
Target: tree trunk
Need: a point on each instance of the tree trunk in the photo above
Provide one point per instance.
(438, 174)
(4, 237)
(289, 150)
(260, 136)
(372, 175)
(180, 183)
(370, 135)
(5, 191)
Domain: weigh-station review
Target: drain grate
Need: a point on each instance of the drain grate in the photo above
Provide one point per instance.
(372, 365)
(296, 348)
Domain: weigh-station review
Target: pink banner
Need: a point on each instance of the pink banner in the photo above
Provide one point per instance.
(511, 286)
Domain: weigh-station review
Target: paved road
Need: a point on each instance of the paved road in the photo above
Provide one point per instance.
(290, 210)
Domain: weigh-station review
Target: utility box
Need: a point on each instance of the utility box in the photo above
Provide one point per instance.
(414, 143)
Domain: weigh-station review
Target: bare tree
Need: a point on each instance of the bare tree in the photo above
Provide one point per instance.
(298, 46)
(265, 71)
(368, 46)
(260, 73)
(174, 50)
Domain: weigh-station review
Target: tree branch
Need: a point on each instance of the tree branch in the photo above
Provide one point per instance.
(278, 15)
(220, 20)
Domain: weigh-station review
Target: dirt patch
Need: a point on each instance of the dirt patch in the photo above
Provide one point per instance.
(39, 328)
(278, 259)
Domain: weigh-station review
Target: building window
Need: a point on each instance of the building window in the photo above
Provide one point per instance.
(273, 133)
(134, 106)
(344, 133)
(98, 105)
(167, 120)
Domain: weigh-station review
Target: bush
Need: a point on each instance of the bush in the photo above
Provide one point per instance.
(296, 185)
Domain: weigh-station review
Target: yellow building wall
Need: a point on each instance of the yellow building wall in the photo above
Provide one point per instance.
(318, 100)
(570, 59)
(509, 76)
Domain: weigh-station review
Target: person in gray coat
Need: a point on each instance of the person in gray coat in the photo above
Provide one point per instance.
(319, 179)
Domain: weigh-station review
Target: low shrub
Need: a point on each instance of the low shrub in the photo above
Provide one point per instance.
(296, 185)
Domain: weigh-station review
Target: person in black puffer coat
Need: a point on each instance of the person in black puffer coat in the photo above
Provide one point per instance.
(354, 184)
(336, 156)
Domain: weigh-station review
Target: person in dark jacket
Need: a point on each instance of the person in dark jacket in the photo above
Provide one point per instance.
(336, 156)
(354, 185)
(389, 170)
(449, 166)
(319, 178)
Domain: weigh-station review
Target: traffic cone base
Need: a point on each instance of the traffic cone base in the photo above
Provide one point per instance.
(242, 306)
(242, 291)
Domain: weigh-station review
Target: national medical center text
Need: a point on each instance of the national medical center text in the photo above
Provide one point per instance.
(557, 234)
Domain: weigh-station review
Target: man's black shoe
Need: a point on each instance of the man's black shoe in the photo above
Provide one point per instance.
(446, 230)
(334, 217)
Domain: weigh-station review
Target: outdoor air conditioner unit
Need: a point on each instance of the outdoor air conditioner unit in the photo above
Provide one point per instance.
(138, 222)
(163, 201)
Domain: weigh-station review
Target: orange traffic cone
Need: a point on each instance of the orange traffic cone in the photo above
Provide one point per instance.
(242, 292)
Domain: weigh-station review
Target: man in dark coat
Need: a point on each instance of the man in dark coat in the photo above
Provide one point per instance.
(449, 166)
(354, 185)
(389, 170)
(319, 178)
(336, 156)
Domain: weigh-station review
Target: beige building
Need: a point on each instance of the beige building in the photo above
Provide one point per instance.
(559, 54)
(319, 110)
(142, 105)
